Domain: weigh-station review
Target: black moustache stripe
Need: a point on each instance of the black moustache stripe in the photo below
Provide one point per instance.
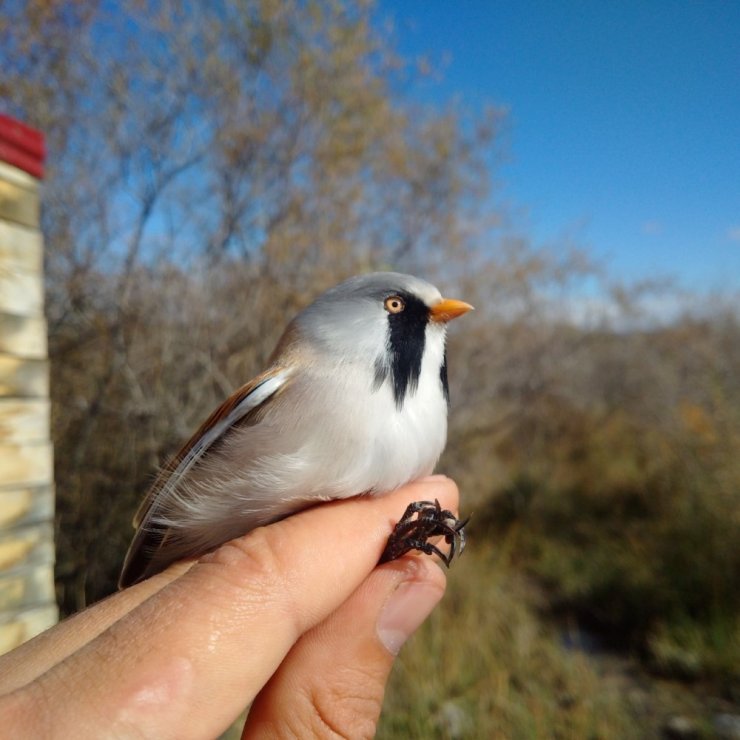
(443, 378)
(406, 338)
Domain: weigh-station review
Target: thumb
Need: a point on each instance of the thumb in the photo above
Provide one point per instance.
(333, 680)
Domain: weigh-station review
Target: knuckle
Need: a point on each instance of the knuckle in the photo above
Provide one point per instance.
(23, 712)
(348, 706)
(33, 711)
(259, 564)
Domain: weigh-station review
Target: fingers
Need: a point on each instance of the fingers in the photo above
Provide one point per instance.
(187, 660)
(332, 681)
(30, 660)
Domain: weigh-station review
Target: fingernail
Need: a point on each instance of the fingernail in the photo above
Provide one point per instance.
(407, 607)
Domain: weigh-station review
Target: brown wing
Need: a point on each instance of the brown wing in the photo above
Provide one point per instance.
(244, 404)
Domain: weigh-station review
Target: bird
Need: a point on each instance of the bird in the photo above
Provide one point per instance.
(353, 401)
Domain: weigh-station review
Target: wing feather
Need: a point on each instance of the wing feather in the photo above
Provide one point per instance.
(243, 403)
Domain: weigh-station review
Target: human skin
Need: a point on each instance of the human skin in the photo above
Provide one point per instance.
(295, 618)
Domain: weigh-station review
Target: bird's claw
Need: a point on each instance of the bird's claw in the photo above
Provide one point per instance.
(422, 521)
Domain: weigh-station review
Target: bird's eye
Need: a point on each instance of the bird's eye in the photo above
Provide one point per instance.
(395, 304)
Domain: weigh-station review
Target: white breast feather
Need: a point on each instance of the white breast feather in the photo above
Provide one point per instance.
(347, 442)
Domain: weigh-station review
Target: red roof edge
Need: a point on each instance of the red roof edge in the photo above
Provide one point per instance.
(22, 146)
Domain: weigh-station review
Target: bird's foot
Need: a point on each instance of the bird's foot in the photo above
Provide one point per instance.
(422, 521)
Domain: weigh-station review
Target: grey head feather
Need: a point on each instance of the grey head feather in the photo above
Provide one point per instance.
(349, 320)
(375, 286)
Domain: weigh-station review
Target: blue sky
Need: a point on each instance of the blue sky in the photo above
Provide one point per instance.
(624, 120)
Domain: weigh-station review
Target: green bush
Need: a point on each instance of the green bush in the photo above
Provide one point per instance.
(638, 534)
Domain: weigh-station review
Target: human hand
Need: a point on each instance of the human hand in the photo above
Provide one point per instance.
(294, 617)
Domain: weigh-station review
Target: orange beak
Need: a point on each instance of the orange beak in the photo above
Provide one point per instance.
(448, 309)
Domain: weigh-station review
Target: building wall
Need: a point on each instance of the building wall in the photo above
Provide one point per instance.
(27, 601)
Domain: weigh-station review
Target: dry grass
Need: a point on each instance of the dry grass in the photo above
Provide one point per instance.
(486, 666)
